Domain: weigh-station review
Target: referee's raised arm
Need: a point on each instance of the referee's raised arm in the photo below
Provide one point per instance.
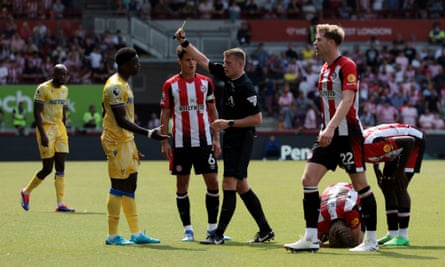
(200, 58)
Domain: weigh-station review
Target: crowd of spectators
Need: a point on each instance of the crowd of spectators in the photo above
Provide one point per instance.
(279, 9)
(399, 80)
(28, 53)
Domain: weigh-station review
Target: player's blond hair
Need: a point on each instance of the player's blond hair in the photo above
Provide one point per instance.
(332, 31)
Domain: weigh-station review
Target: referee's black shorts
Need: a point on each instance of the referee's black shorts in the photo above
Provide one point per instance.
(237, 150)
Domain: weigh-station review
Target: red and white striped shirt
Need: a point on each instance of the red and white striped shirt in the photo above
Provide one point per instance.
(339, 201)
(334, 79)
(380, 145)
(188, 101)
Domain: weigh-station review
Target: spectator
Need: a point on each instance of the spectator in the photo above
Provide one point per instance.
(102, 73)
(386, 113)
(162, 9)
(261, 55)
(438, 122)
(220, 9)
(17, 43)
(19, 118)
(244, 34)
(205, 9)
(271, 148)
(190, 10)
(436, 35)
(311, 120)
(95, 58)
(294, 9)
(92, 119)
(252, 10)
(134, 8)
(291, 52)
(286, 103)
(145, 10)
(344, 10)
(234, 11)
(427, 120)
(154, 121)
(409, 114)
(3, 72)
(58, 9)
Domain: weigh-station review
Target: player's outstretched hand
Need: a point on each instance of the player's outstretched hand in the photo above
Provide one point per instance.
(156, 134)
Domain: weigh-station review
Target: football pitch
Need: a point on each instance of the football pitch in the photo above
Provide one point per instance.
(41, 237)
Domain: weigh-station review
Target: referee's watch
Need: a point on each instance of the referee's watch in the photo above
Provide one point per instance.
(231, 122)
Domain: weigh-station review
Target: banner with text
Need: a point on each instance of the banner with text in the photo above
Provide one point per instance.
(356, 31)
(79, 99)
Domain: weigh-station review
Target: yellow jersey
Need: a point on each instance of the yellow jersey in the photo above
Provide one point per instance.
(117, 92)
(53, 100)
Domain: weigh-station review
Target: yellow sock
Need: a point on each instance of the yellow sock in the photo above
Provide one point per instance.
(59, 183)
(129, 207)
(114, 204)
(35, 181)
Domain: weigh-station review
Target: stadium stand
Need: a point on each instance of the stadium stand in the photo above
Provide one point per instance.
(91, 31)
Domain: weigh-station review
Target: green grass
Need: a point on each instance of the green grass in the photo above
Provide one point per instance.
(41, 237)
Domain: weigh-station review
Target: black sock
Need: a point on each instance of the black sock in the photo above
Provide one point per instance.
(403, 218)
(392, 220)
(311, 206)
(253, 205)
(369, 208)
(212, 205)
(227, 210)
(183, 205)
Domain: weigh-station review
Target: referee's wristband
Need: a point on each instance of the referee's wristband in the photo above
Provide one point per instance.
(185, 43)
(150, 132)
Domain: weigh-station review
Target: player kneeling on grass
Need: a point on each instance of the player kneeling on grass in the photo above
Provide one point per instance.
(339, 222)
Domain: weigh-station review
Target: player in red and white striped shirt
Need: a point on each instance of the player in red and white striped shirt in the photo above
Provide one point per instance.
(340, 216)
(188, 97)
(340, 141)
(401, 148)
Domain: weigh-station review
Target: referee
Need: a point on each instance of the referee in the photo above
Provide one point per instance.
(240, 114)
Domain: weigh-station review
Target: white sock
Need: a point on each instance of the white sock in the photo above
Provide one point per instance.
(393, 233)
(403, 232)
(311, 234)
(212, 226)
(188, 227)
(371, 236)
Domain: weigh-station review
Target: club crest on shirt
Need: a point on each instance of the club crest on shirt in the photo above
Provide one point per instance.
(387, 148)
(351, 78)
(334, 76)
(116, 91)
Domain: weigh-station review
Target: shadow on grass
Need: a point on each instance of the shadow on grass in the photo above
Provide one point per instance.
(78, 213)
(262, 246)
(404, 252)
(164, 247)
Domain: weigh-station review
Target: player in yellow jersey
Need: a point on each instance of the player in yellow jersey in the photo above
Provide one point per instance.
(49, 115)
(120, 148)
